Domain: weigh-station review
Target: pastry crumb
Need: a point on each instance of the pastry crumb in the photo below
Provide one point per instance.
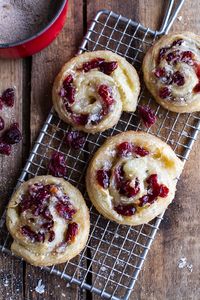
(179, 18)
(182, 263)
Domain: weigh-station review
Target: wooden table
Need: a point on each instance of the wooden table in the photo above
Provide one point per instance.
(179, 233)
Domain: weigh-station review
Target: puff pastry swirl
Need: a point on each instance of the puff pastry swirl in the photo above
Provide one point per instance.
(48, 220)
(93, 89)
(171, 70)
(132, 177)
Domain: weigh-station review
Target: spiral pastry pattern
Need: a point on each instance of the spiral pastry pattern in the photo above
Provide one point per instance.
(132, 177)
(93, 89)
(48, 220)
(171, 71)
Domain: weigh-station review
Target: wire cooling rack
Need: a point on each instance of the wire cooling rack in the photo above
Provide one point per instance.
(110, 263)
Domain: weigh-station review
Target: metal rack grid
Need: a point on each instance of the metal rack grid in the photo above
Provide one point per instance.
(110, 263)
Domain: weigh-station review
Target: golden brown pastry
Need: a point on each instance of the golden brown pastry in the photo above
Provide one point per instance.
(48, 220)
(171, 70)
(93, 89)
(132, 177)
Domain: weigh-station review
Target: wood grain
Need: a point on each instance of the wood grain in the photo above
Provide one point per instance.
(179, 233)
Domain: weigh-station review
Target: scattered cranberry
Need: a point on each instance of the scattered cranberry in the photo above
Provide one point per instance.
(124, 149)
(178, 78)
(57, 165)
(140, 151)
(12, 135)
(125, 210)
(81, 119)
(106, 94)
(74, 139)
(2, 123)
(65, 210)
(144, 200)
(8, 97)
(147, 115)
(92, 64)
(163, 75)
(108, 67)
(127, 189)
(4, 147)
(164, 92)
(163, 191)
(72, 231)
(103, 178)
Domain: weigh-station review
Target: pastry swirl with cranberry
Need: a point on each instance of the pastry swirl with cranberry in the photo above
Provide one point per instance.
(48, 220)
(93, 89)
(171, 70)
(132, 177)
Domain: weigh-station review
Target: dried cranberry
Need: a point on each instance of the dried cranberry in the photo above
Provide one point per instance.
(160, 72)
(51, 236)
(8, 97)
(147, 115)
(1, 103)
(125, 210)
(103, 178)
(162, 53)
(68, 90)
(164, 92)
(144, 200)
(68, 80)
(127, 189)
(196, 89)
(26, 203)
(124, 149)
(72, 231)
(74, 139)
(2, 123)
(92, 64)
(27, 231)
(57, 166)
(108, 67)
(140, 151)
(173, 57)
(163, 191)
(178, 78)
(65, 210)
(81, 119)
(187, 57)
(35, 237)
(106, 94)
(12, 135)
(4, 147)
(177, 42)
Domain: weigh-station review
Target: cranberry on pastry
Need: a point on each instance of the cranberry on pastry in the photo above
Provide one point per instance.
(93, 89)
(48, 220)
(171, 70)
(132, 177)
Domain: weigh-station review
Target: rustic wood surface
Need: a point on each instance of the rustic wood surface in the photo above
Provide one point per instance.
(179, 233)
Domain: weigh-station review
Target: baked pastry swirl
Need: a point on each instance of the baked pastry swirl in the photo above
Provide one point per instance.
(171, 70)
(132, 177)
(93, 89)
(48, 220)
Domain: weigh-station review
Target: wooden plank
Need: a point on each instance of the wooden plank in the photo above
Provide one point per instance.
(178, 235)
(45, 66)
(11, 269)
